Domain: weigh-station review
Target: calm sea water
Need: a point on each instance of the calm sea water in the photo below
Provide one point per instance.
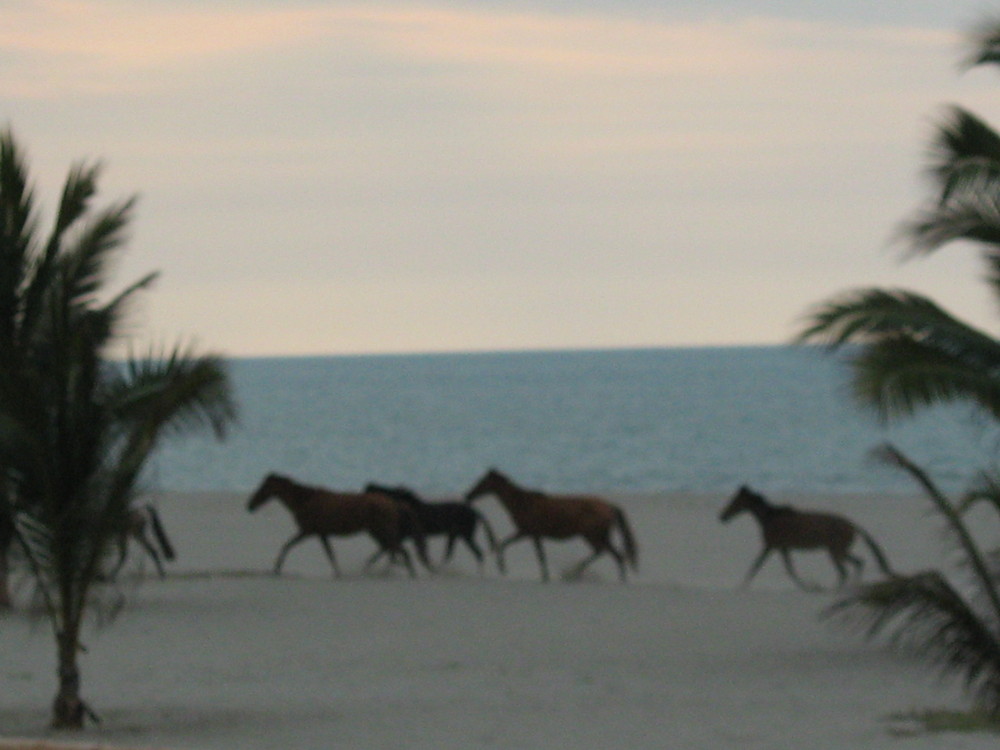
(636, 421)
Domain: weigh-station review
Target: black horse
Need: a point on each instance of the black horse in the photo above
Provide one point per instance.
(454, 519)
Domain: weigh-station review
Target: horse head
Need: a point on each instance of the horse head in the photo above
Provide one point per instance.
(743, 500)
(490, 482)
(273, 484)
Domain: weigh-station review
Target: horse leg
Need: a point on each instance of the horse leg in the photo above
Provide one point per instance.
(857, 562)
(449, 548)
(517, 535)
(122, 554)
(284, 550)
(470, 542)
(620, 559)
(540, 552)
(756, 565)
(577, 570)
(787, 557)
(838, 563)
(151, 551)
(330, 555)
(394, 551)
(407, 560)
(600, 543)
(839, 560)
(375, 556)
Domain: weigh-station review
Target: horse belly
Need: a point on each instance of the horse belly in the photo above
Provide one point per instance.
(336, 518)
(335, 527)
(574, 518)
(811, 532)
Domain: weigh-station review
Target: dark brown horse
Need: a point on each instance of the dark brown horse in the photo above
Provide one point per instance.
(538, 516)
(784, 528)
(444, 518)
(139, 520)
(322, 513)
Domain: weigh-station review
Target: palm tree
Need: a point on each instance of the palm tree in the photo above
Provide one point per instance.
(954, 626)
(914, 353)
(77, 429)
(908, 353)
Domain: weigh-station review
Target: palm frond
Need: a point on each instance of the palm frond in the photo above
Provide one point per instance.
(965, 154)
(953, 518)
(116, 311)
(155, 398)
(17, 229)
(899, 376)
(985, 40)
(79, 189)
(913, 353)
(972, 214)
(17, 220)
(179, 391)
(865, 315)
(985, 489)
(85, 264)
(925, 614)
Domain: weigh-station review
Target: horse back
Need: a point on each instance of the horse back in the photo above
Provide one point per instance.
(563, 516)
(447, 516)
(342, 513)
(791, 528)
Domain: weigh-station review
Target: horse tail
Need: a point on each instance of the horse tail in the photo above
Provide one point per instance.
(631, 548)
(877, 552)
(160, 533)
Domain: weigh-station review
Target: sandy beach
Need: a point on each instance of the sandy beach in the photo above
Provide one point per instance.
(223, 655)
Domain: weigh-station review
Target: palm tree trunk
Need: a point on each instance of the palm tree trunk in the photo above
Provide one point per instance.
(6, 542)
(5, 602)
(68, 709)
(5, 545)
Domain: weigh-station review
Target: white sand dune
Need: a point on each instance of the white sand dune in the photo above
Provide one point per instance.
(223, 655)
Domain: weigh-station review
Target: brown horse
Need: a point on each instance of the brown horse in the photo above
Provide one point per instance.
(137, 522)
(322, 513)
(784, 528)
(537, 516)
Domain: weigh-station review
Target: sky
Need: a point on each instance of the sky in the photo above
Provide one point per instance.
(358, 177)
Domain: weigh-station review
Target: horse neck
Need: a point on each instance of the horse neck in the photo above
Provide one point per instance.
(762, 510)
(291, 496)
(410, 501)
(511, 496)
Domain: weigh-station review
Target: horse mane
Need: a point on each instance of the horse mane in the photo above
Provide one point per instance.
(401, 493)
(767, 508)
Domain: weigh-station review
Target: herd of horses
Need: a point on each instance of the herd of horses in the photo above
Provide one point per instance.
(395, 516)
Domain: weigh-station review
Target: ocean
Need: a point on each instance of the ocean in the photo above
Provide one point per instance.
(641, 421)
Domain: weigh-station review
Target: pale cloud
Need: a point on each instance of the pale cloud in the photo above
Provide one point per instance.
(67, 47)
(58, 47)
(385, 176)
